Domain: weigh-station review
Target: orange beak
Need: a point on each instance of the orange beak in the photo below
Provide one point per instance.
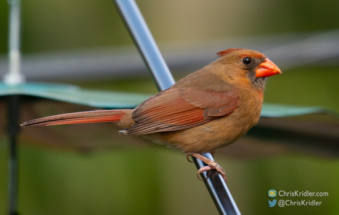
(267, 68)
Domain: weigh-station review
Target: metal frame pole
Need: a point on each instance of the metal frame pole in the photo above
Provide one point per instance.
(13, 107)
(163, 78)
(13, 76)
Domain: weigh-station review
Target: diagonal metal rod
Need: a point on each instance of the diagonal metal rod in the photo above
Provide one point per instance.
(145, 43)
(164, 79)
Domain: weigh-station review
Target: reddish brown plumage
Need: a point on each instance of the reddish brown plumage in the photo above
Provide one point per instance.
(206, 110)
(78, 117)
(180, 108)
(223, 53)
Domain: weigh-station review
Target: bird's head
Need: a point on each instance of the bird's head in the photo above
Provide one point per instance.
(248, 65)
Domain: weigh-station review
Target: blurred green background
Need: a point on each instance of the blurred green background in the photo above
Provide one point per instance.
(156, 180)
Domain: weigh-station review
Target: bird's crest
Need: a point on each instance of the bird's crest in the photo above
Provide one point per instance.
(223, 53)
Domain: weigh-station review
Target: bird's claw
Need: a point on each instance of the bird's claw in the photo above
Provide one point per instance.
(215, 166)
(201, 170)
(211, 165)
(188, 158)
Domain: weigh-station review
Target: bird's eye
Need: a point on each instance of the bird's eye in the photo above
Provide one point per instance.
(246, 60)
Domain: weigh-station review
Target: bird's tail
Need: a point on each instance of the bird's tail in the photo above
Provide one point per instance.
(80, 117)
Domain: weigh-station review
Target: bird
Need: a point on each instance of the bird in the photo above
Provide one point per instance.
(206, 110)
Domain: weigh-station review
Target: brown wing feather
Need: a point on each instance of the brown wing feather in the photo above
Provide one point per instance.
(214, 103)
(177, 109)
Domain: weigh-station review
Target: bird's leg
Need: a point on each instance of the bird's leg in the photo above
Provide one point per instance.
(211, 165)
(189, 160)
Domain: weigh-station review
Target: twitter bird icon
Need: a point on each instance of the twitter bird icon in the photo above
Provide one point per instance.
(272, 203)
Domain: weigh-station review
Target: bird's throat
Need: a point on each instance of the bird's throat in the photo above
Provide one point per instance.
(260, 83)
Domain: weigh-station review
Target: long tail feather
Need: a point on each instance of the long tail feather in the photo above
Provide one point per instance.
(78, 117)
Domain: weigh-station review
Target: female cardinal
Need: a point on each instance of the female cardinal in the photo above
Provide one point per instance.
(204, 111)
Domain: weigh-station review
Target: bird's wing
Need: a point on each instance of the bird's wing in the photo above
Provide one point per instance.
(177, 109)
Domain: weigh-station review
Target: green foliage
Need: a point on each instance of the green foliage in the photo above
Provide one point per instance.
(3, 26)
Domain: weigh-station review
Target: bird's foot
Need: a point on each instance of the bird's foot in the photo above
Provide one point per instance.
(211, 165)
